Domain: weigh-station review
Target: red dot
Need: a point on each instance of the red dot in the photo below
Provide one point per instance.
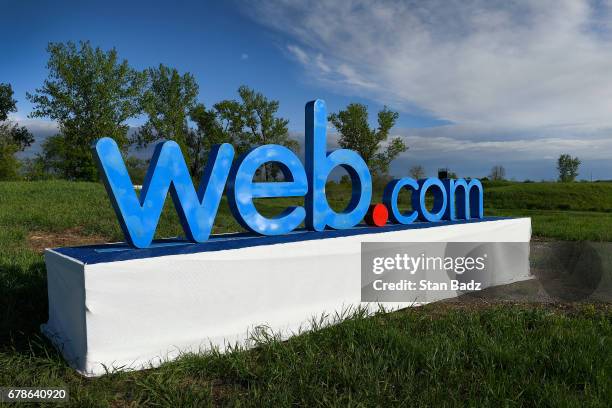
(377, 215)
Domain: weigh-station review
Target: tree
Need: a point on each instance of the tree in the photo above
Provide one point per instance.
(9, 164)
(51, 160)
(252, 122)
(232, 118)
(356, 134)
(498, 173)
(417, 172)
(200, 141)
(167, 101)
(568, 167)
(31, 169)
(7, 103)
(137, 169)
(90, 93)
(19, 136)
(13, 138)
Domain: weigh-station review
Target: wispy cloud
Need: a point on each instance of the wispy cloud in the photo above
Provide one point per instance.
(299, 54)
(520, 70)
(519, 63)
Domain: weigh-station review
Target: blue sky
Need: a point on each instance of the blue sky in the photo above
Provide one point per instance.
(215, 41)
(476, 84)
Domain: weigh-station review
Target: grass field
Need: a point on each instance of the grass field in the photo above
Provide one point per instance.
(572, 212)
(437, 355)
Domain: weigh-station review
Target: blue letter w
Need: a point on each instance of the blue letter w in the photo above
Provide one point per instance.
(167, 171)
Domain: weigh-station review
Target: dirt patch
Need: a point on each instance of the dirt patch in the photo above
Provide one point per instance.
(471, 304)
(39, 240)
(536, 238)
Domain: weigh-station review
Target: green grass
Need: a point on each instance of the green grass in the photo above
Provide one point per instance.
(506, 356)
(565, 225)
(594, 197)
(564, 211)
(572, 211)
(511, 356)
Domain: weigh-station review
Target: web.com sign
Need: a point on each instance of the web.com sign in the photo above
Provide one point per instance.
(139, 216)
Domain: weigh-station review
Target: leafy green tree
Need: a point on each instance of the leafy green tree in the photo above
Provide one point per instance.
(568, 167)
(200, 141)
(31, 169)
(264, 126)
(19, 136)
(7, 103)
(356, 134)
(51, 161)
(252, 121)
(231, 115)
(9, 165)
(167, 101)
(137, 169)
(91, 94)
(13, 138)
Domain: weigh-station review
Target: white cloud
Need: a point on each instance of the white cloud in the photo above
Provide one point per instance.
(321, 64)
(518, 81)
(41, 129)
(34, 125)
(471, 153)
(299, 54)
(491, 63)
(526, 158)
(524, 149)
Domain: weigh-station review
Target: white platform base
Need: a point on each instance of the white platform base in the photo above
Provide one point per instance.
(135, 314)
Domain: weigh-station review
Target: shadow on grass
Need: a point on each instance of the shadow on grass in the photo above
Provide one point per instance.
(23, 305)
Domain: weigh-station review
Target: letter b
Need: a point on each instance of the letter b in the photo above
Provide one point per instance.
(318, 166)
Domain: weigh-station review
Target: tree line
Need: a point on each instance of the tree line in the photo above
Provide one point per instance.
(90, 93)
(567, 168)
(13, 138)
